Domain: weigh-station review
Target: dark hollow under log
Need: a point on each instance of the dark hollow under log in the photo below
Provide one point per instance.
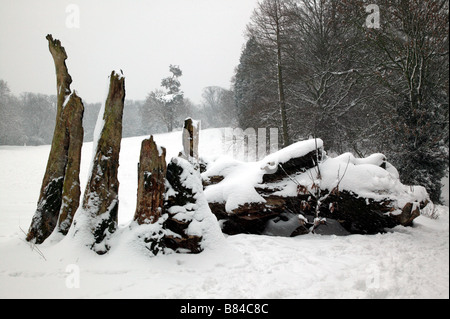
(346, 212)
(293, 166)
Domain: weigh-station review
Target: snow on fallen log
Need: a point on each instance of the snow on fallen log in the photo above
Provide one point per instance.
(355, 195)
(238, 180)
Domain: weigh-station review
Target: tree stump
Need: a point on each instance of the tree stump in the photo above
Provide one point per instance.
(101, 197)
(151, 182)
(191, 130)
(73, 115)
(57, 193)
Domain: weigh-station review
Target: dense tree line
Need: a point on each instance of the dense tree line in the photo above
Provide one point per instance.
(29, 119)
(364, 79)
(26, 119)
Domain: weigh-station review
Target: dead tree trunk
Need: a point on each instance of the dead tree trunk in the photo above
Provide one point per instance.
(101, 197)
(191, 132)
(73, 116)
(51, 195)
(151, 182)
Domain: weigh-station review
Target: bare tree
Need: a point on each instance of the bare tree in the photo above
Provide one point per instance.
(269, 27)
(412, 51)
(219, 107)
(168, 104)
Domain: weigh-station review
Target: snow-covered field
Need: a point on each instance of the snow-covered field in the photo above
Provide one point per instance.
(408, 262)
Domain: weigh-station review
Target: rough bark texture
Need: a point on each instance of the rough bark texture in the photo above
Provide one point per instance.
(151, 182)
(191, 132)
(101, 197)
(64, 153)
(73, 116)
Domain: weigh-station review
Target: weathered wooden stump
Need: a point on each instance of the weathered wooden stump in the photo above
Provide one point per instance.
(73, 115)
(191, 131)
(101, 197)
(151, 182)
(60, 193)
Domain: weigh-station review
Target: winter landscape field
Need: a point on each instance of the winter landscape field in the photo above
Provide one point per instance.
(241, 150)
(404, 262)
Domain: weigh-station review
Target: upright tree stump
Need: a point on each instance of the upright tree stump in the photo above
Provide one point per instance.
(151, 182)
(73, 116)
(191, 130)
(101, 197)
(58, 191)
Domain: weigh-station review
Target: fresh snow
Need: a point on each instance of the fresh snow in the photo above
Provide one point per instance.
(410, 262)
(202, 221)
(361, 176)
(298, 149)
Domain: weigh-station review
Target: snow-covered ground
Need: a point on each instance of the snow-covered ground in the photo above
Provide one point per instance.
(408, 262)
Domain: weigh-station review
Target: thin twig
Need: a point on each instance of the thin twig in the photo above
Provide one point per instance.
(346, 167)
(33, 245)
(296, 182)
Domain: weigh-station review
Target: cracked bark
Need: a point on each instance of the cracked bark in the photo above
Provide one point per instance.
(101, 197)
(151, 182)
(64, 155)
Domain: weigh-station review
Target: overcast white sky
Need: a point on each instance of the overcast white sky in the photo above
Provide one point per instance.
(141, 37)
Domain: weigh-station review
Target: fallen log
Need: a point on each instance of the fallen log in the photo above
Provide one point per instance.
(342, 195)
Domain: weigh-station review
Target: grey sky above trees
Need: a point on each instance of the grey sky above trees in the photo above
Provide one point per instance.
(204, 37)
